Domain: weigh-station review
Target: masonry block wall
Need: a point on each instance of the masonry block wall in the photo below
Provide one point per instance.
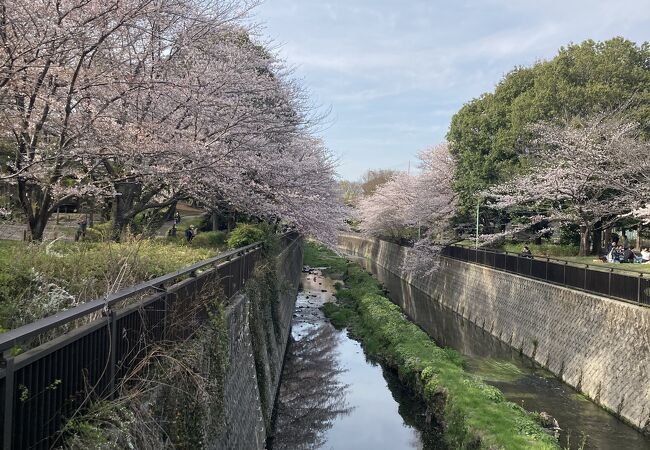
(598, 345)
(255, 359)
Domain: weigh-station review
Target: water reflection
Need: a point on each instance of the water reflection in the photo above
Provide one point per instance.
(414, 412)
(521, 380)
(333, 397)
(311, 395)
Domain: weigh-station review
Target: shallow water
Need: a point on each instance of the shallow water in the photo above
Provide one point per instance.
(333, 397)
(520, 379)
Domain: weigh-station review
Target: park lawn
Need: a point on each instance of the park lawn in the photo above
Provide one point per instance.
(594, 263)
(561, 253)
(545, 249)
(570, 253)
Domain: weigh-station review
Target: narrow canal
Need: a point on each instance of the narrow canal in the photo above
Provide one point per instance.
(583, 424)
(332, 396)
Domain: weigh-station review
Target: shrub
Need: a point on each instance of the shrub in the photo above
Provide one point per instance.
(569, 234)
(246, 234)
(99, 233)
(213, 239)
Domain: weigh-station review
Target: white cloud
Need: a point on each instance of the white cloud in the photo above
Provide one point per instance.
(390, 67)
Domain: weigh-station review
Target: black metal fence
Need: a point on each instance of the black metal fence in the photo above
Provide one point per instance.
(620, 284)
(43, 386)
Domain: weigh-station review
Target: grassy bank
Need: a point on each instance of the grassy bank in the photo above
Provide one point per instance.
(40, 279)
(475, 414)
(37, 280)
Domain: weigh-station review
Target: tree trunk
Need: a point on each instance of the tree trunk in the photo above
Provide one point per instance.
(118, 226)
(215, 221)
(122, 206)
(638, 237)
(596, 239)
(35, 205)
(607, 237)
(585, 233)
(171, 212)
(37, 228)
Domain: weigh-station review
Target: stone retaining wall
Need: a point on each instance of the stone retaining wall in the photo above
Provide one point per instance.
(598, 345)
(255, 365)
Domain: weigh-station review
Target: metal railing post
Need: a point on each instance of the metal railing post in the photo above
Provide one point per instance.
(112, 324)
(638, 288)
(244, 274)
(229, 277)
(609, 282)
(8, 426)
(585, 283)
(564, 277)
(165, 333)
(546, 270)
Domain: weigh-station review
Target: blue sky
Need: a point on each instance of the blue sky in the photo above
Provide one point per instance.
(394, 72)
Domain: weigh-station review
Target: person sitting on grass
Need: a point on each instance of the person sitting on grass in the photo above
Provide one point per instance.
(645, 255)
(526, 253)
(615, 255)
(628, 255)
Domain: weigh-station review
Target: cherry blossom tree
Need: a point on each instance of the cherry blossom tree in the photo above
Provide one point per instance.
(588, 172)
(423, 200)
(57, 60)
(295, 185)
(142, 103)
(386, 213)
(419, 204)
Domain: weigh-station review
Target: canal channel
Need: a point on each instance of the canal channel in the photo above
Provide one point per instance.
(333, 396)
(583, 424)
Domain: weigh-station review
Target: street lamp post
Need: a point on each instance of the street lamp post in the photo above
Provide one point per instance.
(478, 208)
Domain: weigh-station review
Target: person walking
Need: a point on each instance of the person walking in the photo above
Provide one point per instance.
(189, 234)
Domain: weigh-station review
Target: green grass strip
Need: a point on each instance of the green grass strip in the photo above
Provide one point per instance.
(475, 414)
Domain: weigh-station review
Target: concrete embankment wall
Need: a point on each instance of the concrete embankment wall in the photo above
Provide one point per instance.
(258, 330)
(598, 345)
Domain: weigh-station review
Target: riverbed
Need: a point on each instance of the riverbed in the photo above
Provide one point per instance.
(333, 397)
